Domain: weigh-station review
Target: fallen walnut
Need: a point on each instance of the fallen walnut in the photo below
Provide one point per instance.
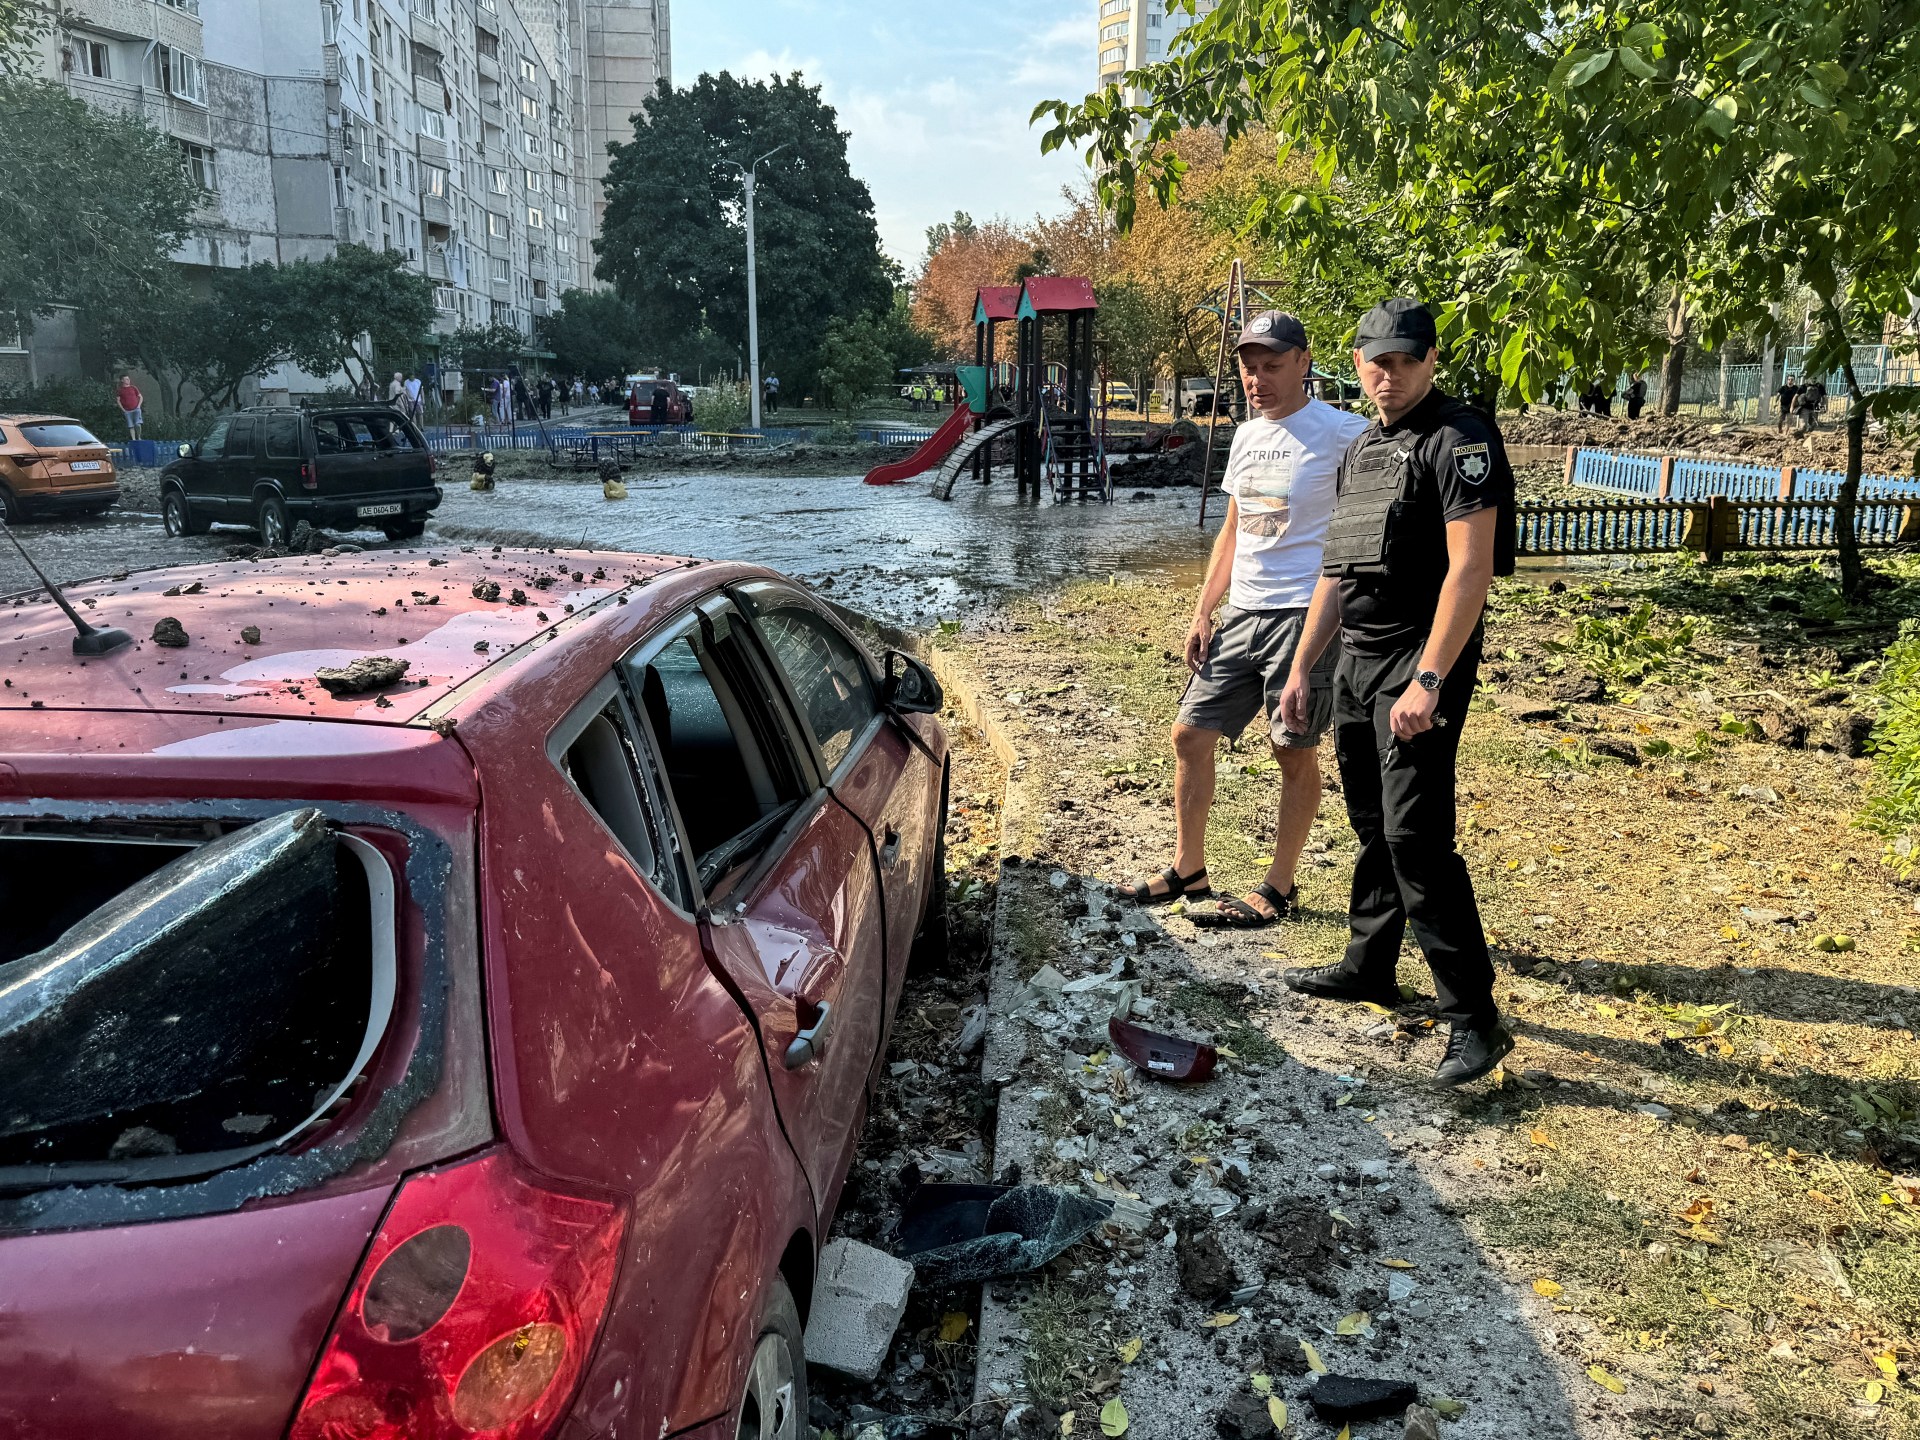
(171, 633)
(371, 672)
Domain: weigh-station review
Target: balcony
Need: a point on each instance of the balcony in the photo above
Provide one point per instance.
(427, 33)
(491, 114)
(436, 262)
(489, 67)
(434, 210)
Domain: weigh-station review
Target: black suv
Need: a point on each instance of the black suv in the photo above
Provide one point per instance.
(339, 466)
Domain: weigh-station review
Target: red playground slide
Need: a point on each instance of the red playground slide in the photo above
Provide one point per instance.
(930, 453)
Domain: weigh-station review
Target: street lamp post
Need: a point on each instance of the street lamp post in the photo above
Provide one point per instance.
(753, 292)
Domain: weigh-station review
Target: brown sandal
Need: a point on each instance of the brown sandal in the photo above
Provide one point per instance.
(1179, 887)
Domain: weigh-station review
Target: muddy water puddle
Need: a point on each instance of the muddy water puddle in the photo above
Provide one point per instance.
(891, 551)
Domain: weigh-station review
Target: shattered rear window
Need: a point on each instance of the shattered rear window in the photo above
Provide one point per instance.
(54, 436)
(161, 999)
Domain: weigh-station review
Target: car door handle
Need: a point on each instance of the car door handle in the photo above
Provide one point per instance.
(810, 1043)
(889, 847)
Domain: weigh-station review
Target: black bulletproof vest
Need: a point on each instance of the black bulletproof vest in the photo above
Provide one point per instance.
(1376, 470)
(1378, 527)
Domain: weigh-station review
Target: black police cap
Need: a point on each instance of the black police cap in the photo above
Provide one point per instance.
(1401, 324)
(1274, 330)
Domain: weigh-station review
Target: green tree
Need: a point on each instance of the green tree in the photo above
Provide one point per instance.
(22, 22)
(855, 361)
(961, 227)
(594, 332)
(478, 348)
(357, 295)
(673, 243)
(95, 201)
(1542, 166)
(209, 346)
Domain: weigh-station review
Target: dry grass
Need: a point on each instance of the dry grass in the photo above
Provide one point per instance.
(1749, 1250)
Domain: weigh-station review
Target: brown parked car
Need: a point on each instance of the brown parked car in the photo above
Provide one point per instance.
(52, 463)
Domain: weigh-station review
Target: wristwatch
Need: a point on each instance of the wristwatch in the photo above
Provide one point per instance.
(1429, 679)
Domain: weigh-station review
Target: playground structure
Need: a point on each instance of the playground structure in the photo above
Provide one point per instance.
(1046, 406)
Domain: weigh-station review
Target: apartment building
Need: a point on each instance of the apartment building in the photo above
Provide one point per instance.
(456, 132)
(1134, 33)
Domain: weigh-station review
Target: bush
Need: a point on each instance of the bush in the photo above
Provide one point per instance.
(1894, 810)
(725, 406)
(91, 402)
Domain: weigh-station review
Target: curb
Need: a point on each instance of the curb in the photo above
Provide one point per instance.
(1000, 1333)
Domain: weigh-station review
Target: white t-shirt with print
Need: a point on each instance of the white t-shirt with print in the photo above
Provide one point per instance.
(1281, 475)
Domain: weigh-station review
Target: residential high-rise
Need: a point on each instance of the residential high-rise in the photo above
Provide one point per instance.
(469, 135)
(1134, 33)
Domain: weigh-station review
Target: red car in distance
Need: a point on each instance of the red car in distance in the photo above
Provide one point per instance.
(477, 1050)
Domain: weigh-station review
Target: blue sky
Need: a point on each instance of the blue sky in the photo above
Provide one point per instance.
(935, 97)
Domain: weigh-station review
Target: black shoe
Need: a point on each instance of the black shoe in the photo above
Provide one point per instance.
(1471, 1053)
(1331, 982)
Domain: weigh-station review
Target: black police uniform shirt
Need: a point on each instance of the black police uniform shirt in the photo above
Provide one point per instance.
(1398, 487)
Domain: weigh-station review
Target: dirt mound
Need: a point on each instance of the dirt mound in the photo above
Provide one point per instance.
(1826, 448)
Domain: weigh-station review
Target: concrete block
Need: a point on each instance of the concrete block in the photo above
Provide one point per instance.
(858, 1300)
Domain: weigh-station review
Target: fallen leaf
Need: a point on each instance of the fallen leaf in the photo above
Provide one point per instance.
(1346, 1433)
(1277, 1412)
(1888, 1365)
(1314, 1362)
(1262, 1384)
(953, 1325)
(1376, 1009)
(1113, 1417)
(1128, 1350)
(1540, 1137)
(1353, 1324)
(1874, 1392)
(1066, 1423)
(1346, 1099)
(1220, 1321)
(1340, 1216)
(1699, 1210)
(1598, 1374)
(1446, 1407)
(1547, 1289)
(1398, 1264)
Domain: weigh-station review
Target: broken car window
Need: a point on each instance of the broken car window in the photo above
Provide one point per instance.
(828, 676)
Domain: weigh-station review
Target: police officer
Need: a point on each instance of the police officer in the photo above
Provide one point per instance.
(1423, 522)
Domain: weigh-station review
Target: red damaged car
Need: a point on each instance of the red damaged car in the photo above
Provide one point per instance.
(474, 1048)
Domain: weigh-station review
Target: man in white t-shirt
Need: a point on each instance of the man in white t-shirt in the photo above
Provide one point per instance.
(1266, 561)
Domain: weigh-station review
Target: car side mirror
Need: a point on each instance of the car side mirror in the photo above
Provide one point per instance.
(186, 450)
(910, 687)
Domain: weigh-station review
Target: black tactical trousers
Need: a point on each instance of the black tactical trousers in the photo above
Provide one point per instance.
(1400, 801)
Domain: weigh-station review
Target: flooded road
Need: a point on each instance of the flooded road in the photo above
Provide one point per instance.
(891, 551)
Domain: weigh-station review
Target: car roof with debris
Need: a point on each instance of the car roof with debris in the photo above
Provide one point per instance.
(437, 610)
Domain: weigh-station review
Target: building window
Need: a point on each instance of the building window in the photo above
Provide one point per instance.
(443, 297)
(198, 163)
(497, 181)
(1116, 56)
(1115, 31)
(181, 75)
(90, 56)
(499, 270)
(533, 181)
(1115, 7)
(533, 144)
(499, 226)
(529, 107)
(529, 72)
(433, 122)
(1153, 47)
(434, 181)
(535, 219)
(1153, 19)
(562, 215)
(360, 68)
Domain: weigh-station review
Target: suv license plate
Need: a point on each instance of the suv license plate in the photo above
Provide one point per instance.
(367, 512)
(84, 465)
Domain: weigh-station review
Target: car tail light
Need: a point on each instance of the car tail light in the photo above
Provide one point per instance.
(473, 1313)
(433, 464)
(308, 480)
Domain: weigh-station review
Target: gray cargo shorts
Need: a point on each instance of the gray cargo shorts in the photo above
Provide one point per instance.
(1246, 668)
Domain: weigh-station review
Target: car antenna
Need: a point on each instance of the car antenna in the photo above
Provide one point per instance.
(89, 641)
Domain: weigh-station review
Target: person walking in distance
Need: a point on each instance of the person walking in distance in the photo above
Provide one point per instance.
(1636, 395)
(1266, 561)
(1424, 521)
(131, 405)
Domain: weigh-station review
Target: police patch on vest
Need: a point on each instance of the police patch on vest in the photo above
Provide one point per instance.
(1472, 462)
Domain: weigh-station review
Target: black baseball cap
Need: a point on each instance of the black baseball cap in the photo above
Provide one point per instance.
(1401, 324)
(1274, 330)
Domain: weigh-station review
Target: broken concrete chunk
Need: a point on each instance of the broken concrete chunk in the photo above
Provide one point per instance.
(1422, 1424)
(1341, 1399)
(857, 1304)
(370, 672)
(170, 633)
(250, 635)
(142, 1142)
(1244, 1417)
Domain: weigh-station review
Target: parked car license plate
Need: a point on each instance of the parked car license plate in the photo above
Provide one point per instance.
(367, 512)
(84, 465)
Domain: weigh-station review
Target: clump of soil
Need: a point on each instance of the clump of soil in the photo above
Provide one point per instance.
(370, 672)
(1205, 1271)
(170, 633)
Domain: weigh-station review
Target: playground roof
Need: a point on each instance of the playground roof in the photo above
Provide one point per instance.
(1055, 295)
(995, 302)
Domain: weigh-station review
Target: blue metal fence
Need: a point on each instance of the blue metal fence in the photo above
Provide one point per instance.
(1617, 471)
(1703, 479)
(872, 435)
(1825, 485)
